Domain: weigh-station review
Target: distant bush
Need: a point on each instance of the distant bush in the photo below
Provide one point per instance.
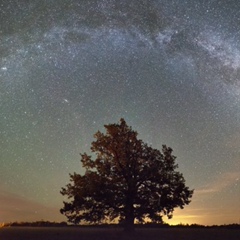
(36, 224)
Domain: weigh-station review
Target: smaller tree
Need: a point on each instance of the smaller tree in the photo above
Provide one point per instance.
(128, 180)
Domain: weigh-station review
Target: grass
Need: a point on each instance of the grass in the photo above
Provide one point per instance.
(74, 233)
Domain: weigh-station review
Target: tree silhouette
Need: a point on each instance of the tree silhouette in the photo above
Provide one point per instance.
(127, 181)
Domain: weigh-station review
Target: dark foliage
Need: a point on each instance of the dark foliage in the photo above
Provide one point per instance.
(128, 180)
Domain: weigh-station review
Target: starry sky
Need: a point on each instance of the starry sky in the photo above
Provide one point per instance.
(170, 68)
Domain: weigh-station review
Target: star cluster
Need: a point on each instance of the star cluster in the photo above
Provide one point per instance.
(170, 68)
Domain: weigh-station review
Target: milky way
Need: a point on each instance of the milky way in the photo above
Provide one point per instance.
(170, 68)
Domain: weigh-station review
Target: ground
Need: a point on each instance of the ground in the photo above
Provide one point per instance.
(72, 233)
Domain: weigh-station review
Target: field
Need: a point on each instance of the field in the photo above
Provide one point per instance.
(73, 233)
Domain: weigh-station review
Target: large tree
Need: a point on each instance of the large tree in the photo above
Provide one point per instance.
(128, 181)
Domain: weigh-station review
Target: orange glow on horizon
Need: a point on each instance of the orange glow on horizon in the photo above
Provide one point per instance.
(184, 219)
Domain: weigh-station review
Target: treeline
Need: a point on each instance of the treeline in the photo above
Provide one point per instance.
(36, 224)
(145, 225)
(229, 226)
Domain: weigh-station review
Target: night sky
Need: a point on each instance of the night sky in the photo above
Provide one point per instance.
(170, 68)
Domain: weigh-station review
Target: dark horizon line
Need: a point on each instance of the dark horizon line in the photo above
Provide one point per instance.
(43, 223)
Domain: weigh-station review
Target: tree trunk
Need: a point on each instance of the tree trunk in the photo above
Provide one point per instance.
(129, 215)
(129, 224)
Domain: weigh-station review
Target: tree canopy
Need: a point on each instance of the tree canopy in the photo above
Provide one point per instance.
(126, 181)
